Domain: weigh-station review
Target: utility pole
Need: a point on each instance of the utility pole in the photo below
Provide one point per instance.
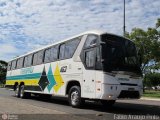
(124, 20)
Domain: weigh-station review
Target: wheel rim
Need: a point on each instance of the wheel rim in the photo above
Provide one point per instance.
(74, 97)
(22, 92)
(16, 91)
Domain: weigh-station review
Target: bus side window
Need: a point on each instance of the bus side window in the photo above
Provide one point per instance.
(90, 58)
(9, 66)
(35, 57)
(47, 57)
(28, 61)
(71, 47)
(25, 61)
(40, 57)
(62, 51)
(54, 53)
(20, 63)
(14, 64)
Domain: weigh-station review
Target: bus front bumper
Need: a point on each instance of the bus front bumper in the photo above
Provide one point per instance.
(116, 91)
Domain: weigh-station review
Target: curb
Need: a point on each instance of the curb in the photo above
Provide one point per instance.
(146, 98)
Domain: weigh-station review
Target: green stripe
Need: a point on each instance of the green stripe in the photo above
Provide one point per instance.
(27, 76)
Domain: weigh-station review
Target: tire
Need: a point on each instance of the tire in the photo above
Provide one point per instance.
(24, 94)
(74, 96)
(107, 103)
(17, 92)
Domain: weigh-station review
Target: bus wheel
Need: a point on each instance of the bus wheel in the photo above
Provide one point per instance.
(74, 96)
(24, 94)
(107, 103)
(17, 92)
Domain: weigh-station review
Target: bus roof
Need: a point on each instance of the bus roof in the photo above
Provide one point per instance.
(98, 32)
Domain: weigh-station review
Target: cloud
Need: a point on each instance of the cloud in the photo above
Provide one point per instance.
(28, 24)
(8, 51)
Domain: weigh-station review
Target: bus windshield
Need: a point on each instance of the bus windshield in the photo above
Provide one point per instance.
(119, 54)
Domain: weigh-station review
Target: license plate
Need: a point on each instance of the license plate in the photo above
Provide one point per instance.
(131, 89)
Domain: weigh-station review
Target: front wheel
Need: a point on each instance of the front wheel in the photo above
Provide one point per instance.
(74, 96)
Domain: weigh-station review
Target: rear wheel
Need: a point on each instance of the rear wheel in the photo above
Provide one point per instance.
(24, 94)
(107, 103)
(17, 92)
(74, 96)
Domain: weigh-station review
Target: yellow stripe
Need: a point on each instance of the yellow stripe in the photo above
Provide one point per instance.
(58, 78)
(26, 82)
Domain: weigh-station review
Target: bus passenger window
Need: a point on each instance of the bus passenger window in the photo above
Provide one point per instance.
(47, 55)
(40, 57)
(35, 57)
(89, 58)
(71, 47)
(9, 66)
(20, 63)
(14, 64)
(54, 51)
(62, 51)
(28, 61)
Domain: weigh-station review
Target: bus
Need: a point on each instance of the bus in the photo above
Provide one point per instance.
(94, 65)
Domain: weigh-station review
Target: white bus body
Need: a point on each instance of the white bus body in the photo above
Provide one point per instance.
(90, 68)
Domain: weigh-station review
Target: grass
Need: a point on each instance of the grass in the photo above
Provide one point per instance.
(151, 94)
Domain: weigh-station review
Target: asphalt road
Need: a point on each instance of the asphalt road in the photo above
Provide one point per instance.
(55, 108)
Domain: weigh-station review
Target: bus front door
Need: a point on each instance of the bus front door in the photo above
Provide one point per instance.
(89, 73)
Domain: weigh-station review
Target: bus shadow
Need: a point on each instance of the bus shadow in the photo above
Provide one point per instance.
(117, 108)
(55, 100)
(126, 109)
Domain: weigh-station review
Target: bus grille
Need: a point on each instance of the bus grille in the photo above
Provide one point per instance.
(129, 94)
(129, 84)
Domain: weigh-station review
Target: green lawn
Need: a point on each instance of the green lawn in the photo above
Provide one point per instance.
(151, 94)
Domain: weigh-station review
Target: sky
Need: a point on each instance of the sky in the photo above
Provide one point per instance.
(26, 25)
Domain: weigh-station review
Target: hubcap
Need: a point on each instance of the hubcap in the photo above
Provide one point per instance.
(16, 91)
(74, 97)
(22, 92)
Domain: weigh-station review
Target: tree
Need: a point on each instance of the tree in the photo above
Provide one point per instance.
(158, 23)
(3, 70)
(148, 45)
(152, 79)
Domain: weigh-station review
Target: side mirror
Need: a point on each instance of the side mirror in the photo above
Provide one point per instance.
(102, 43)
